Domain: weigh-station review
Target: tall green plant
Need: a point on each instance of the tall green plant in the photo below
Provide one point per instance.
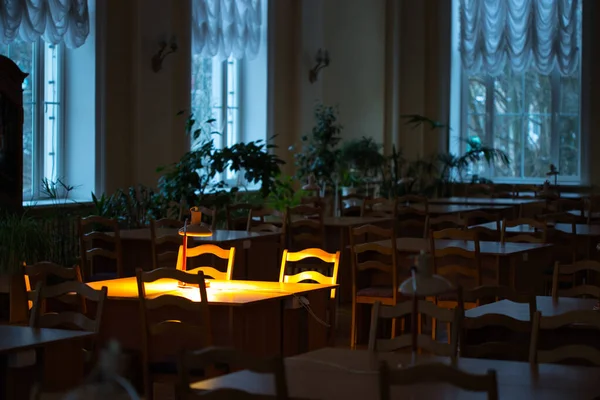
(22, 240)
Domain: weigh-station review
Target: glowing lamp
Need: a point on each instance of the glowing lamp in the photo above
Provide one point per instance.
(195, 229)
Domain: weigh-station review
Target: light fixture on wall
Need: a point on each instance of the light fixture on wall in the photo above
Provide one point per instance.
(164, 50)
(322, 60)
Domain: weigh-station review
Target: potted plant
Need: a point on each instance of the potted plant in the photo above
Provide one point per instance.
(359, 161)
(284, 195)
(22, 240)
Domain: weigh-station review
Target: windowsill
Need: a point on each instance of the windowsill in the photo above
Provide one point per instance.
(48, 203)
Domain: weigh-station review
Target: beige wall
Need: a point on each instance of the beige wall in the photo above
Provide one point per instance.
(388, 57)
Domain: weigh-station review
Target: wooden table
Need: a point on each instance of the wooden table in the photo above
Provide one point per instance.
(545, 304)
(520, 264)
(580, 229)
(137, 250)
(54, 342)
(483, 201)
(248, 315)
(331, 374)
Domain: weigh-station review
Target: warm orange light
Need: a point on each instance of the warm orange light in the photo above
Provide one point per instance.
(196, 228)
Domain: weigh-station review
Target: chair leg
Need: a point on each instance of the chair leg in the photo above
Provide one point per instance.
(353, 326)
(393, 335)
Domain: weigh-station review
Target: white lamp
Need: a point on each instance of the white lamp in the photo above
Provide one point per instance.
(423, 281)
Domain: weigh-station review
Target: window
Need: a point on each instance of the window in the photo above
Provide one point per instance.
(42, 111)
(534, 118)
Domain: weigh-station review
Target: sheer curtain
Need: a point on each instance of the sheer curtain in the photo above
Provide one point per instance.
(54, 20)
(525, 33)
(226, 28)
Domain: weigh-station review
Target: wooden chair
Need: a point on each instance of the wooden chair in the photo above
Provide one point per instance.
(513, 349)
(351, 204)
(566, 205)
(532, 210)
(455, 270)
(423, 342)
(539, 234)
(436, 373)
(573, 270)
(313, 201)
(589, 318)
(316, 276)
(94, 231)
(51, 274)
(480, 217)
(446, 221)
(235, 360)
(502, 191)
(304, 227)
(527, 191)
(191, 328)
(387, 291)
(237, 216)
(257, 221)
(165, 247)
(208, 271)
(479, 190)
(210, 216)
(378, 207)
(592, 207)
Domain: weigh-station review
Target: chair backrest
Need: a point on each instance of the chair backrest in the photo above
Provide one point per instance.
(93, 230)
(45, 271)
(583, 290)
(503, 191)
(208, 214)
(257, 222)
(479, 217)
(455, 270)
(497, 349)
(212, 249)
(372, 248)
(435, 372)
(478, 190)
(445, 221)
(304, 227)
(592, 206)
(193, 300)
(588, 318)
(237, 216)
(67, 319)
(410, 203)
(316, 276)
(566, 205)
(164, 246)
(378, 207)
(532, 210)
(211, 357)
(423, 342)
(538, 235)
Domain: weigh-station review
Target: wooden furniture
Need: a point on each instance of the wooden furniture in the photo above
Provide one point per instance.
(478, 190)
(208, 214)
(45, 271)
(537, 235)
(58, 347)
(375, 262)
(11, 135)
(521, 311)
(442, 222)
(257, 221)
(436, 372)
(304, 227)
(481, 201)
(573, 270)
(336, 374)
(575, 350)
(165, 246)
(214, 250)
(378, 207)
(316, 276)
(491, 229)
(492, 346)
(350, 205)
(244, 314)
(237, 216)
(95, 244)
(411, 200)
(214, 356)
(157, 351)
(421, 342)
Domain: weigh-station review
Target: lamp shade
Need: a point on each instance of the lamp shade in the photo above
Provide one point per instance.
(196, 228)
(423, 282)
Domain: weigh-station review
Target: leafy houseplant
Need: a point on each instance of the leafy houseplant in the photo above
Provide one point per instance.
(283, 194)
(359, 160)
(319, 154)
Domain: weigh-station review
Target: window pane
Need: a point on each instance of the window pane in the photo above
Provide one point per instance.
(206, 101)
(51, 112)
(508, 93)
(569, 95)
(538, 138)
(507, 137)
(538, 94)
(569, 145)
(22, 53)
(477, 94)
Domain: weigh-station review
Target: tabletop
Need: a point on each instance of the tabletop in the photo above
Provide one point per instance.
(415, 245)
(345, 222)
(483, 201)
(218, 236)
(19, 338)
(440, 209)
(335, 373)
(580, 229)
(545, 305)
(232, 293)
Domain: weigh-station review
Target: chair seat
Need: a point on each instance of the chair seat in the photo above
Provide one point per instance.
(376, 291)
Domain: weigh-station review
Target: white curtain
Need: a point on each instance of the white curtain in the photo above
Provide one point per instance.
(525, 33)
(54, 20)
(226, 27)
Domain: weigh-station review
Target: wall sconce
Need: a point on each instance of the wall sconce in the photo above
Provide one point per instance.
(163, 51)
(322, 59)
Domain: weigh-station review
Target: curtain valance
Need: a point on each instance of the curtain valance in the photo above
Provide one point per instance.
(226, 27)
(525, 33)
(54, 20)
